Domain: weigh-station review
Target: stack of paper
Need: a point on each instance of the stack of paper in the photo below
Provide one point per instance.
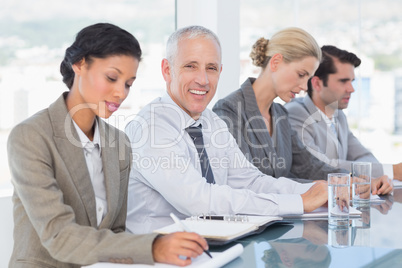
(219, 259)
(322, 212)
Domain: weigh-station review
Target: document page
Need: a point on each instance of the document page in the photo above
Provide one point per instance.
(219, 259)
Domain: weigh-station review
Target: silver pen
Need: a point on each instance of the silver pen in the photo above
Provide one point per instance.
(186, 229)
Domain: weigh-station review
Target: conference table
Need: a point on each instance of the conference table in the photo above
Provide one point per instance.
(372, 240)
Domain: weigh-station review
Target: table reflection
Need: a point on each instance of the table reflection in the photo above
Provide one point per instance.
(397, 195)
(360, 235)
(372, 240)
(296, 253)
(302, 244)
(339, 237)
(316, 231)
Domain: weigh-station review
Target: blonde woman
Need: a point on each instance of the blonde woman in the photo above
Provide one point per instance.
(261, 126)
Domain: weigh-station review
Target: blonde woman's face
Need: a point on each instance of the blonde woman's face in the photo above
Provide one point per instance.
(291, 78)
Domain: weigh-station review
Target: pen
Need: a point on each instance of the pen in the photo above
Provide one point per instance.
(185, 228)
(212, 217)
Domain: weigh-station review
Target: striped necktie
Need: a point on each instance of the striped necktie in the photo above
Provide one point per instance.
(196, 135)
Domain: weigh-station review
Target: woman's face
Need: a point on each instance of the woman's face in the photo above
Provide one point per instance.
(291, 78)
(104, 84)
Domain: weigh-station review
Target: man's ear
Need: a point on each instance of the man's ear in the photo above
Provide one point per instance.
(316, 83)
(166, 70)
(275, 61)
(78, 66)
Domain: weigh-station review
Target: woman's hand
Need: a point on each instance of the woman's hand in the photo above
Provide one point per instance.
(168, 248)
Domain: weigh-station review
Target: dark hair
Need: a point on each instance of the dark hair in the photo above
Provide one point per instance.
(327, 65)
(100, 40)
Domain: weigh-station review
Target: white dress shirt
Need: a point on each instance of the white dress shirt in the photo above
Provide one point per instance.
(92, 152)
(331, 123)
(166, 174)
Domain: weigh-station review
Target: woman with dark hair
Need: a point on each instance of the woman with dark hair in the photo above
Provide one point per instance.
(70, 169)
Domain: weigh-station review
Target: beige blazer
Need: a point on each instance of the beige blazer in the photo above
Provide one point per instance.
(54, 201)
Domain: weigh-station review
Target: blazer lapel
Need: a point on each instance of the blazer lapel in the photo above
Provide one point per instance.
(342, 129)
(255, 119)
(70, 149)
(279, 142)
(331, 138)
(111, 171)
(312, 109)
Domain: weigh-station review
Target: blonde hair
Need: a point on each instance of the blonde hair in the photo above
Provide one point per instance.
(292, 43)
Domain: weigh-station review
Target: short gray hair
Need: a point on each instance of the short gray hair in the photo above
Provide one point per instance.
(189, 32)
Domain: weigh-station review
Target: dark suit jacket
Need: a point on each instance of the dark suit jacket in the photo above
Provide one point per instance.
(282, 155)
(338, 151)
(54, 201)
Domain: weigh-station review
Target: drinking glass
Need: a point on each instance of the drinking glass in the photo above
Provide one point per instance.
(338, 199)
(361, 183)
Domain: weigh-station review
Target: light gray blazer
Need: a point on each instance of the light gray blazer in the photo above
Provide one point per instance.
(54, 201)
(338, 151)
(282, 155)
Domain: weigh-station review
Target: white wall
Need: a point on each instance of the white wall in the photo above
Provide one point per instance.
(6, 230)
(223, 18)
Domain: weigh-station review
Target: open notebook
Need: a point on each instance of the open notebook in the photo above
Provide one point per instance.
(219, 232)
(219, 259)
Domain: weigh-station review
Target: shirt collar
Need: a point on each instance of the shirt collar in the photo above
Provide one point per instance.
(326, 119)
(189, 121)
(86, 143)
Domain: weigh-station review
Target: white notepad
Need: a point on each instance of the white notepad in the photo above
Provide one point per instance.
(322, 212)
(219, 259)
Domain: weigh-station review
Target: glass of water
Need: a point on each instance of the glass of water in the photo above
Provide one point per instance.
(361, 183)
(338, 199)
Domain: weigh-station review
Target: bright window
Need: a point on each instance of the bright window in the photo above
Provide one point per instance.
(34, 36)
(372, 30)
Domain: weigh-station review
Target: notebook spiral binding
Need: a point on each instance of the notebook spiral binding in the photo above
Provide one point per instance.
(228, 218)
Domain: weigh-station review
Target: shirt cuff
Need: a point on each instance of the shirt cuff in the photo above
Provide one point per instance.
(388, 170)
(302, 187)
(290, 204)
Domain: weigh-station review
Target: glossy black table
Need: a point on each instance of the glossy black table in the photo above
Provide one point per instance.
(373, 240)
